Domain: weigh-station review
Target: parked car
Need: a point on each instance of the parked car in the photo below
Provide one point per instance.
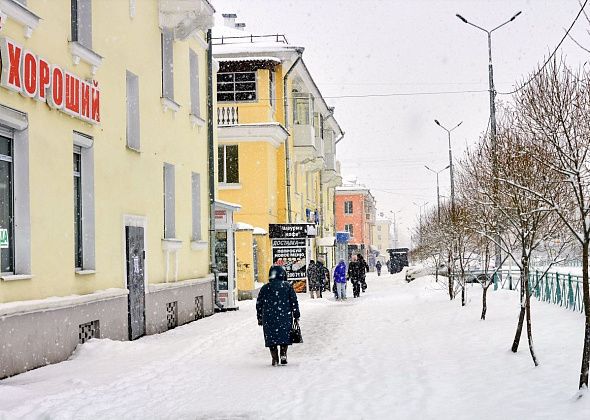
(413, 272)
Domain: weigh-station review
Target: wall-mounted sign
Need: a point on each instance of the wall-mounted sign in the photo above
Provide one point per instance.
(221, 216)
(3, 238)
(294, 230)
(34, 77)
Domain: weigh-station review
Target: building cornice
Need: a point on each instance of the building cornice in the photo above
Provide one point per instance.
(274, 134)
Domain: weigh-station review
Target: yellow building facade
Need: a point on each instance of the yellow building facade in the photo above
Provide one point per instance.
(103, 172)
(277, 145)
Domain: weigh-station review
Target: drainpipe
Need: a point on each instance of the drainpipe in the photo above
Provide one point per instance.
(287, 153)
(211, 165)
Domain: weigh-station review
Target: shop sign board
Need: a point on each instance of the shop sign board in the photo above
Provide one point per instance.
(292, 230)
(34, 77)
(3, 238)
(221, 216)
(291, 253)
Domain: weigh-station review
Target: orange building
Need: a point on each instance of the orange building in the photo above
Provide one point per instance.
(355, 214)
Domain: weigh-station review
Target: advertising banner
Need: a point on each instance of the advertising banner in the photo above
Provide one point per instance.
(291, 253)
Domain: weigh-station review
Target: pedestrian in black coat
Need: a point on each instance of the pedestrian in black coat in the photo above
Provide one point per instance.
(364, 271)
(276, 308)
(354, 273)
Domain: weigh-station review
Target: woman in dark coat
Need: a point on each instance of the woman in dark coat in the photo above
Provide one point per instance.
(276, 307)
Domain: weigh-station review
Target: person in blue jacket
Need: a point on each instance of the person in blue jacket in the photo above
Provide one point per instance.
(276, 308)
(340, 280)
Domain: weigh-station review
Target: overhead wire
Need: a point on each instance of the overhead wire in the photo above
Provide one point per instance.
(550, 57)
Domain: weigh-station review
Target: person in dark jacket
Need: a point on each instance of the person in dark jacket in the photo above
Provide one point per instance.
(378, 267)
(355, 275)
(364, 270)
(340, 281)
(324, 276)
(276, 308)
(313, 279)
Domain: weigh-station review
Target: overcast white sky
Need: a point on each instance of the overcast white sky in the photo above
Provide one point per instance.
(393, 46)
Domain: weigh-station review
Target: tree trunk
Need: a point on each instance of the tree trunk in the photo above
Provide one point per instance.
(529, 332)
(450, 276)
(484, 307)
(586, 294)
(463, 290)
(523, 278)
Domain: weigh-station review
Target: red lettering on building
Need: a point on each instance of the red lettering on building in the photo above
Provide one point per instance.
(29, 74)
(24, 72)
(72, 94)
(14, 56)
(44, 80)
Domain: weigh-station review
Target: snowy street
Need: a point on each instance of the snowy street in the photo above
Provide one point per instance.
(400, 351)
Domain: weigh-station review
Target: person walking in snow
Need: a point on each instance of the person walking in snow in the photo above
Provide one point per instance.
(340, 280)
(378, 267)
(364, 270)
(355, 275)
(313, 279)
(276, 309)
(324, 276)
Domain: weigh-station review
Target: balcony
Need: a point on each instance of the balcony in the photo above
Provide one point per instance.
(228, 115)
(185, 16)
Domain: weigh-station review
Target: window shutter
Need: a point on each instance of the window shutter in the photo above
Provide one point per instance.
(133, 131)
(167, 64)
(194, 78)
(196, 193)
(169, 201)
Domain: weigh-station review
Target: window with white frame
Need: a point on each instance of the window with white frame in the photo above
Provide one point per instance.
(168, 64)
(81, 22)
(133, 121)
(169, 201)
(349, 228)
(6, 204)
(78, 207)
(196, 202)
(236, 86)
(83, 188)
(348, 207)
(194, 84)
(272, 89)
(228, 165)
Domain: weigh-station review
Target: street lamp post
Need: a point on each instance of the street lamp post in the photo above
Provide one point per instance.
(492, 110)
(437, 188)
(450, 162)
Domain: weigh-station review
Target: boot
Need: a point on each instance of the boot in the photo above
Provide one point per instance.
(274, 353)
(283, 355)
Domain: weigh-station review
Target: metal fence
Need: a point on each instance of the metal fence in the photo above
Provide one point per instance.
(560, 289)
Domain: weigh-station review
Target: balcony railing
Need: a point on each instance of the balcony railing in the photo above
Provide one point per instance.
(227, 115)
(280, 38)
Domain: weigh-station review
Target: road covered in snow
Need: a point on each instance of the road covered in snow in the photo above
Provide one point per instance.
(400, 351)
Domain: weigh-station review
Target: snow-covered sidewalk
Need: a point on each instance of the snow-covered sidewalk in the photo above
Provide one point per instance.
(401, 351)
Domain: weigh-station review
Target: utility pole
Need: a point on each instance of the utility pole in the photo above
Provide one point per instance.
(492, 90)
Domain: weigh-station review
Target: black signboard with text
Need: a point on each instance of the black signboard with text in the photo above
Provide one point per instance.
(292, 230)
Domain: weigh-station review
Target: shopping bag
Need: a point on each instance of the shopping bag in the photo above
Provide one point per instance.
(296, 332)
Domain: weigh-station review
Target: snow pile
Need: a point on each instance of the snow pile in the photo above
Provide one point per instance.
(400, 351)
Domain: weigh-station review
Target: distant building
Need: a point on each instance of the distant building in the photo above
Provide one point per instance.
(355, 214)
(382, 238)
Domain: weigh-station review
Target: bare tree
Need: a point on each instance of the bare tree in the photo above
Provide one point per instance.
(554, 108)
(525, 219)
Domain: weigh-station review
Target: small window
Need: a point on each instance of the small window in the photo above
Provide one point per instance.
(348, 207)
(81, 22)
(348, 228)
(169, 201)
(272, 89)
(228, 165)
(379, 228)
(194, 80)
(168, 64)
(78, 261)
(133, 138)
(6, 206)
(236, 86)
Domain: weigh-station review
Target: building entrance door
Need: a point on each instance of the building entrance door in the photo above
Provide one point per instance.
(135, 257)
